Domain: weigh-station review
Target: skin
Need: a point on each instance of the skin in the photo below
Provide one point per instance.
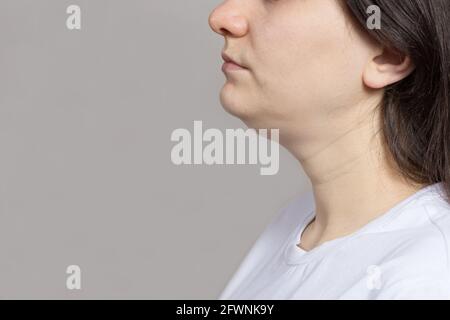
(315, 75)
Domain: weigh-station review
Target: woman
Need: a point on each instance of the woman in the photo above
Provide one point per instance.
(366, 112)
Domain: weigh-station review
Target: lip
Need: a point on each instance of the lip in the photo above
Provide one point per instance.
(230, 64)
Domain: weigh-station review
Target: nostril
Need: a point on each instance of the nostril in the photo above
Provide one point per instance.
(224, 31)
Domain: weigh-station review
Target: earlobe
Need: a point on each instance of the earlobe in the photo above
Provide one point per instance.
(387, 68)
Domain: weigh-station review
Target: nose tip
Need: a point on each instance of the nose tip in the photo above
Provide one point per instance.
(223, 21)
(215, 24)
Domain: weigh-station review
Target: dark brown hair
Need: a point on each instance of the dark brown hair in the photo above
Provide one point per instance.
(416, 111)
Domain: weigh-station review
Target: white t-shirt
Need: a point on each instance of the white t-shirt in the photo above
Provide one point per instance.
(402, 254)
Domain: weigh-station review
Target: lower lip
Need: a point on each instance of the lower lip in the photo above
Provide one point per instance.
(230, 66)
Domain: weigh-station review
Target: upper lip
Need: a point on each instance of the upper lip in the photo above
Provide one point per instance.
(227, 58)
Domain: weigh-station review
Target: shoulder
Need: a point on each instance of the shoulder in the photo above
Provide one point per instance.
(421, 232)
(418, 267)
(430, 241)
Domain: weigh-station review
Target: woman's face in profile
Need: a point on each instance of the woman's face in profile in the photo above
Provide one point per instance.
(303, 59)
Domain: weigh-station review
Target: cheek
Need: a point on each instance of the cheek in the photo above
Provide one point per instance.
(306, 63)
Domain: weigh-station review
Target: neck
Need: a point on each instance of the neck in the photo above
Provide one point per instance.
(353, 180)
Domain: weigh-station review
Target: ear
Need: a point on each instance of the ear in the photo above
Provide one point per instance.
(386, 68)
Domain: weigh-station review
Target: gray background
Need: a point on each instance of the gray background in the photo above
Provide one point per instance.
(85, 170)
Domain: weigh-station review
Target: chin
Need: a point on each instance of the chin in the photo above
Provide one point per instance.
(237, 105)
